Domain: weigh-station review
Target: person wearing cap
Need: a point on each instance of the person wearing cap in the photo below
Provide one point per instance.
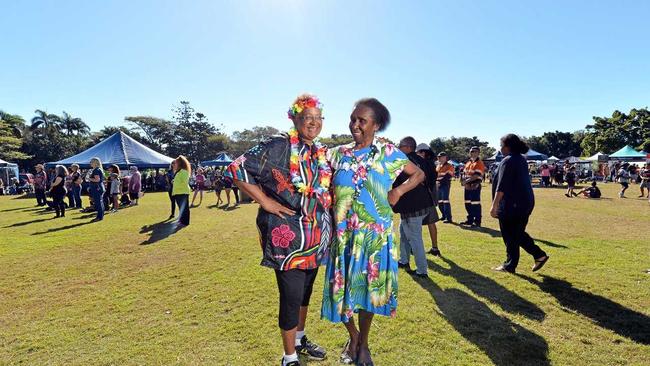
(445, 173)
(474, 172)
(414, 208)
(40, 184)
(424, 151)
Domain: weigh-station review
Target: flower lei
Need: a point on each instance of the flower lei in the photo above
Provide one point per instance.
(324, 169)
(360, 165)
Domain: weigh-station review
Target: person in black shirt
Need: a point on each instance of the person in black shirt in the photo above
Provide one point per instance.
(58, 191)
(513, 202)
(591, 192)
(571, 182)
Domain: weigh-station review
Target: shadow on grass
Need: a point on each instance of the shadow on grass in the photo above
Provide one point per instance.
(22, 208)
(55, 229)
(23, 223)
(604, 312)
(159, 231)
(506, 343)
(497, 234)
(491, 290)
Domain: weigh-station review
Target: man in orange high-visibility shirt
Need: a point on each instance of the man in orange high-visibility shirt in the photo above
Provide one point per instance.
(474, 173)
(445, 173)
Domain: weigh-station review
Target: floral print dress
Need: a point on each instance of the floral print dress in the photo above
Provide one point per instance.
(361, 270)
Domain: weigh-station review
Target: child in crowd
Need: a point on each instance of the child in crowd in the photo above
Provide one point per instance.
(591, 192)
(570, 179)
(116, 188)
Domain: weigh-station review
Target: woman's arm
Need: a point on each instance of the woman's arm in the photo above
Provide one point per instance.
(268, 204)
(495, 204)
(56, 182)
(416, 176)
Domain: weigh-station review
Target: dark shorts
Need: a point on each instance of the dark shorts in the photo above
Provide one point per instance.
(431, 218)
(625, 184)
(295, 287)
(571, 184)
(134, 195)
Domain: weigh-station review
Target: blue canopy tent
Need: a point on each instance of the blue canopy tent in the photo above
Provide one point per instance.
(627, 153)
(222, 159)
(8, 171)
(534, 155)
(119, 149)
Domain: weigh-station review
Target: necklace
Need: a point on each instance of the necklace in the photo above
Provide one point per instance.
(324, 169)
(360, 165)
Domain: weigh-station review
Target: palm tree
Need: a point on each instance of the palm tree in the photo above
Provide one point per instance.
(73, 124)
(15, 122)
(45, 120)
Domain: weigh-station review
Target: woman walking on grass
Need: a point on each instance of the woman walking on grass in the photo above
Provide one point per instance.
(181, 190)
(513, 203)
(169, 177)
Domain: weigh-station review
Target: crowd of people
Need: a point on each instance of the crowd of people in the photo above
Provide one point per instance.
(335, 207)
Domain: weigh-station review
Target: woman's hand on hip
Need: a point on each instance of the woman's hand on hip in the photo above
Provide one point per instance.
(493, 212)
(393, 196)
(274, 207)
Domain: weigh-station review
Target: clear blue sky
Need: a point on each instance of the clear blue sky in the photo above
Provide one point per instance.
(443, 68)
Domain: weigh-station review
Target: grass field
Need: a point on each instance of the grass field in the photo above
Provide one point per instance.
(132, 291)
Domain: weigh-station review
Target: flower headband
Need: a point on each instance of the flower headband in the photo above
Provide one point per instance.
(303, 102)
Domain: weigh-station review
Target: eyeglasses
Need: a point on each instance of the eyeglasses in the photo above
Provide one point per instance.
(312, 119)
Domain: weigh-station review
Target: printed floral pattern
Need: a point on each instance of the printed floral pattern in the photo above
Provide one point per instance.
(282, 236)
(361, 271)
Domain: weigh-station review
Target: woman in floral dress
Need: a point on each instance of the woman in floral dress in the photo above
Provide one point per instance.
(361, 275)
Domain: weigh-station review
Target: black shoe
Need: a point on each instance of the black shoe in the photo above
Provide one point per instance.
(421, 275)
(292, 363)
(434, 251)
(466, 223)
(311, 350)
(448, 221)
(476, 224)
(406, 267)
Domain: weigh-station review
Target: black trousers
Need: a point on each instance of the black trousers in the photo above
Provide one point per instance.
(295, 287)
(513, 231)
(182, 200)
(173, 202)
(40, 196)
(58, 204)
(235, 190)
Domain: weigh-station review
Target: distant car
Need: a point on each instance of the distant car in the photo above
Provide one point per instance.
(25, 183)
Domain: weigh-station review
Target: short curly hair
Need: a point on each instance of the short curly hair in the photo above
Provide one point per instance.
(379, 111)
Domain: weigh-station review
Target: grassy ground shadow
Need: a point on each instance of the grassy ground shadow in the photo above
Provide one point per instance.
(603, 311)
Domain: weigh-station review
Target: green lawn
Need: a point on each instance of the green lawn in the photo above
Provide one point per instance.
(76, 293)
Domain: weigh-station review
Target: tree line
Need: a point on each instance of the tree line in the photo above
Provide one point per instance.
(50, 137)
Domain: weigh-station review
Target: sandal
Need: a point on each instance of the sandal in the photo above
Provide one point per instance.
(539, 263)
(346, 358)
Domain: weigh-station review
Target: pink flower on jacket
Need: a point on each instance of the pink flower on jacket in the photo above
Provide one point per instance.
(378, 228)
(353, 222)
(239, 160)
(282, 236)
(373, 270)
